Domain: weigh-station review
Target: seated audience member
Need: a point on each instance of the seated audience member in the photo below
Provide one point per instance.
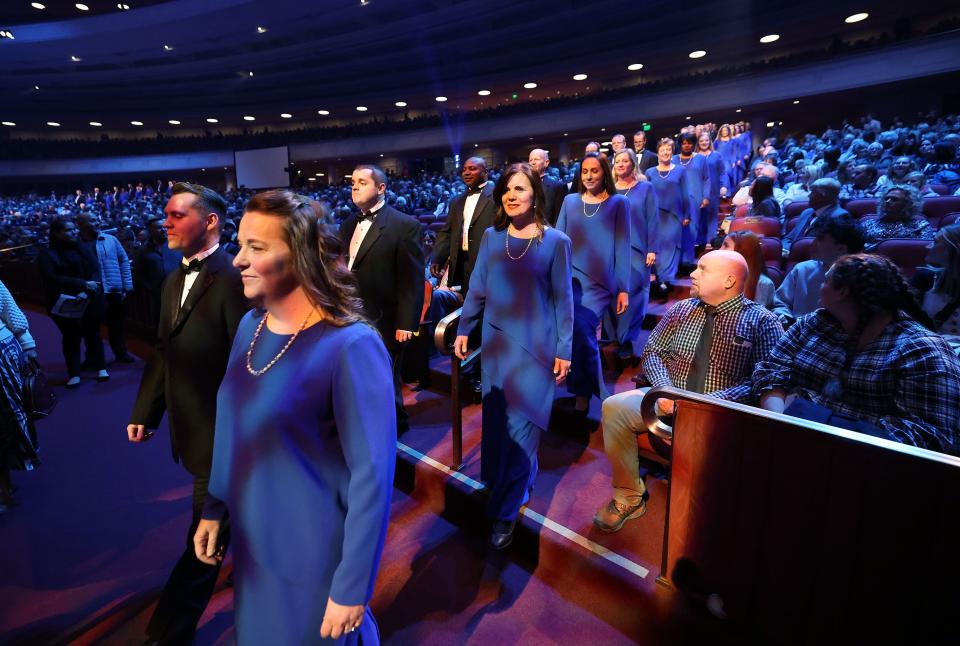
(708, 343)
(799, 293)
(945, 170)
(799, 191)
(862, 185)
(758, 288)
(742, 196)
(918, 180)
(897, 172)
(824, 204)
(762, 202)
(863, 362)
(899, 212)
(939, 284)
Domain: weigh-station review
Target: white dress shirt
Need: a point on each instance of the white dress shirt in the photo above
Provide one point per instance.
(361, 232)
(191, 278)
(469, 206)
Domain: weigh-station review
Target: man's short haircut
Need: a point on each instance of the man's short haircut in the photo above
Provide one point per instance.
(844, 230)
(640, 133)
(379, 177)
(829, 186)
(207, 200)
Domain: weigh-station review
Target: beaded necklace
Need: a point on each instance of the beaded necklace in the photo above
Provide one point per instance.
(256, 335)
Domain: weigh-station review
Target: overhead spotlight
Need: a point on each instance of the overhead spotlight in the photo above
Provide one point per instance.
(698, 54)
(796, 101)
(38, 5)
(53, 124)
(123, 6)
(261, 30)
(441, 99)
(212, 120)
(95, 124)
(476, 145)
(136, 123)
(174, 122)
(770, 38)
(323, 113)
(603, 129)
(739, 110)
(401, 104)
(82, 7)
(9, 124)
(361, 108)
(579, 77)
(529, 86)
(321, 174)
(381, 154)
(689, 117)
(7, 34)
(565, 134)
(249, 118)
(36, 87)
(771, 124)
(75, 59)
(249, 73)
(286, 115)
(634, 67)
(857, 17)
(168, 48)
(484, 92)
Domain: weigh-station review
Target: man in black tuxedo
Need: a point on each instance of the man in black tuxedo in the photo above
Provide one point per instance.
(645, 158)
(382, 249)
(202, 303)
(468, 216)
(553, 190)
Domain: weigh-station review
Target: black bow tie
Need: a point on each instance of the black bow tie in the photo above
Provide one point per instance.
(194, 265)
(474, 191)
(367, 215)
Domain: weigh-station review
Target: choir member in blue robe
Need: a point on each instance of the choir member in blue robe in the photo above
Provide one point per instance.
(718, 189)
(698, 190)
(642, 202)
(728, 147)
(669, 181)
(520, 292)
(305, 442)
(597, 221)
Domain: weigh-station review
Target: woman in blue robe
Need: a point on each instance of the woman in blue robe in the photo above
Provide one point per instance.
(669, 181)
(698, 191)
(642, 203)
(305, 442)
(520, 292)
(729, 150)
(718, 189)
(597, 221)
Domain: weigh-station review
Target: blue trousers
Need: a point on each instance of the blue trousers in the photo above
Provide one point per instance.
(508, 453)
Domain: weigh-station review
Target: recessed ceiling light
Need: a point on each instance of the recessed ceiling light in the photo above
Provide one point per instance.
(53, 123)
(8, 123)
(401, 104)
(698, 54)
(603, 129)
(381, 154)
(796, 101)
(75, 59)
(529, 86)
(123, 6)
(579, 77)
(168, 48)
(136, 123)
(739, 109)
(770, 38)
(38, 5)
(261, 30)
(7, 34)
(36, 87)
(441, 99)
(82, 7)
(689, 117)
(212, 120)
(249, 118)
(361, 108)
(857, 17)
(484, 92)
(565, 134)
(95, 124)
(633, 67)
(174, 122)
(249, 73)
(770, 124)
(286, 115)
(323, 113)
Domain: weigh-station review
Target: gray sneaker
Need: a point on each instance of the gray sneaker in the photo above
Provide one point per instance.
(612, 516)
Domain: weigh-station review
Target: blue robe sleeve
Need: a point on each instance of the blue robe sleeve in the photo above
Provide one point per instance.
(704, 182)
(562, 285)
(621, 239)
(562, 218)
(363, 408)
(686, 209)
(651, 209)
(477, 294)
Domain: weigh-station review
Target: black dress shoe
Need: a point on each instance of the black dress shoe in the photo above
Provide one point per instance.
(502, 534)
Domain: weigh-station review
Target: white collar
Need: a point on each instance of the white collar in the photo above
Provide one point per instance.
(203, 254)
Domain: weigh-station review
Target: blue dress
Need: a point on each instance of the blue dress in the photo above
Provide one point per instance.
(729, 152)
(708, 215)
(698, 188)
(600, 267)
(526, 309)
(642, 202)
(304, 458)
(673, 200)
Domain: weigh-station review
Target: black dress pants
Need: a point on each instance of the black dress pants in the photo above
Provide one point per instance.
(190, 586)
(114, 316)
(72, 331)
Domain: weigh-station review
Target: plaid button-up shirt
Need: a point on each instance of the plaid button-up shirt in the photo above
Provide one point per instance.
(744, 333)
(906, 381)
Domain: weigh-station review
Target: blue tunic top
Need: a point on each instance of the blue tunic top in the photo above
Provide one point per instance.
(527, 310)
(304, 456)
(673, 196)
(718, 175)
(642, 201)
(601, 247)
(698, 178)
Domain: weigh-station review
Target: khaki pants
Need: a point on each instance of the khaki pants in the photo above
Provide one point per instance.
(622, 423)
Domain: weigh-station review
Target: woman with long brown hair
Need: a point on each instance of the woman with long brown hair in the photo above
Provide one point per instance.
(521, 290)
(305, 437)
(758, 288)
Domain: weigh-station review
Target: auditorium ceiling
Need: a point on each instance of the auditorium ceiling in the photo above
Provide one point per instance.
(201, 64)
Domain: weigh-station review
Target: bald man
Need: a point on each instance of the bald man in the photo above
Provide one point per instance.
(553, 190)
(708, 343)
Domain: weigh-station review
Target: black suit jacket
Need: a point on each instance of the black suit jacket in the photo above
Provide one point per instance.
(554, 190)
(389, 271)
(647, 160)
(193, 346)
(447, 245)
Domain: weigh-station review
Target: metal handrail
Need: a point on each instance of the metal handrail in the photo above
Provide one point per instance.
(441, 339)
(22, 246)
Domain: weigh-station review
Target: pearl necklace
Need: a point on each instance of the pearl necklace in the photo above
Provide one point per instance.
(599, 204)
(525, 250)
(662, 176)
(685, 163)
(256, 335)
